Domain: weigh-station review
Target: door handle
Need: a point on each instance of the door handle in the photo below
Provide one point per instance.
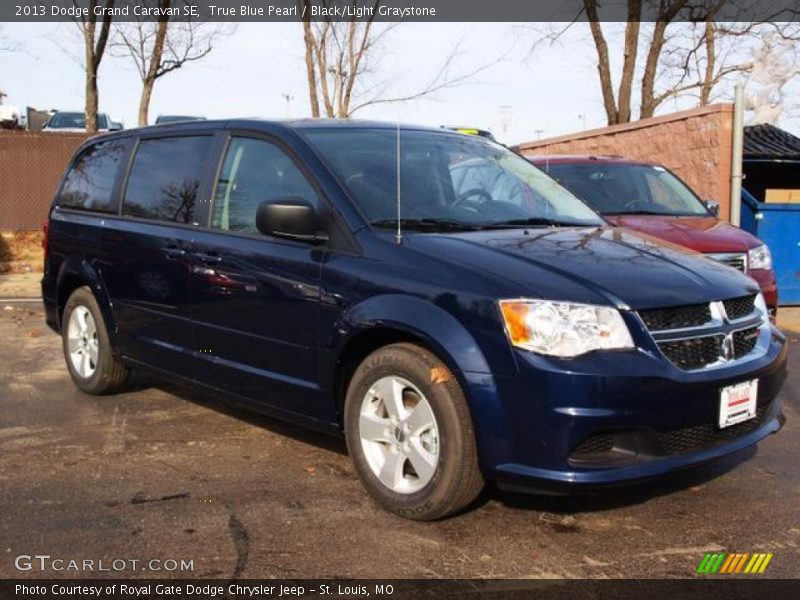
(208, 257)
(173, 252)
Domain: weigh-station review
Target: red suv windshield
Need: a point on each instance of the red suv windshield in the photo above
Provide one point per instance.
(613, 189)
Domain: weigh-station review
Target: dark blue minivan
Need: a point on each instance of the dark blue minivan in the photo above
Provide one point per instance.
(455, 325)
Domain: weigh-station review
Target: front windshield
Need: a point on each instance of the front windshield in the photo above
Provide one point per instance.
(447, 181)
(615, 189)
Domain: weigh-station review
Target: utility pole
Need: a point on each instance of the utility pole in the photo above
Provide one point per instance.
(288, 97)
(505, 112)
(736, 158)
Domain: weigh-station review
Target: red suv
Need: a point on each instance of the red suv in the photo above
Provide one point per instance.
(651, 199)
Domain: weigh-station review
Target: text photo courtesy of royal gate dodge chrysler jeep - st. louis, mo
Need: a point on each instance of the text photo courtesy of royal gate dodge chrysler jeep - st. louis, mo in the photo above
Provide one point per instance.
(375, 298)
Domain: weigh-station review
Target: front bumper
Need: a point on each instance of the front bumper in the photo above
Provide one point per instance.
(528, 438)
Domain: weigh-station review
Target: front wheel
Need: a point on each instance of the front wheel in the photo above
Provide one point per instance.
(410, 435)
(87, 349)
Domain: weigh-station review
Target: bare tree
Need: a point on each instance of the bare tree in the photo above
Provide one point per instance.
(311, 72)
(618, 107)
(94, 45)
(637, 37)
(711, 53)
(161, 47)
(688, 49)
(342, 60)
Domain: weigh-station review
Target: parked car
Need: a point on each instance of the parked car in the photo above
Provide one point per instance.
(651, 199)
(164, 119)
(10, 116)
(452, 337)
(64, 121)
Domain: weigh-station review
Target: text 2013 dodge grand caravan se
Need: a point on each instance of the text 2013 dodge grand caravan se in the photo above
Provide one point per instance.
(508, 336)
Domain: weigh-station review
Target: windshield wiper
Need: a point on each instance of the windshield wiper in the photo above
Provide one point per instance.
(534, 222)
(642, 212)
(428, 224)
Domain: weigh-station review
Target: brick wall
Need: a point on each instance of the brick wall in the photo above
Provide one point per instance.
(695, 144)
(31, 165)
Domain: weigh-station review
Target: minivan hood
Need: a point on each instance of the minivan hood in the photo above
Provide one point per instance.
(603, 265)
(702, 234)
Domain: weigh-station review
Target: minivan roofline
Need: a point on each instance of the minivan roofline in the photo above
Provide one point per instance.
(579, 159)
(258, 124)
(294, 124)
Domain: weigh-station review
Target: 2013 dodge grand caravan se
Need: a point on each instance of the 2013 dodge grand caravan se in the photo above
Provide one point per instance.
(508, 336)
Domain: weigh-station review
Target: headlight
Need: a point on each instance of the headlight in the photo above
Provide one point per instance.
(759, 258)
(563, 329)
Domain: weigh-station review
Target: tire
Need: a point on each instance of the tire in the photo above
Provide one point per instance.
(87, 350)
(421, 472)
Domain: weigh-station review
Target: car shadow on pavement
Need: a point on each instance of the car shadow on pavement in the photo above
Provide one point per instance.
(241, 413)
(608, 498)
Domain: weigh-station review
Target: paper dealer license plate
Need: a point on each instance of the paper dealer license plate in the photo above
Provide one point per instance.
(738, 403)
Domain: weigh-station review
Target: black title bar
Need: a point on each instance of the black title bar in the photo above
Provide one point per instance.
(392, 10)
(707, 588)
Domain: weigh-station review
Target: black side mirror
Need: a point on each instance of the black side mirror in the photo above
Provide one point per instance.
(713, 206)
(291, 217)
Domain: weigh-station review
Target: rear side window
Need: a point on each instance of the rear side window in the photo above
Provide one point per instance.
(165, 179)
(90, 182)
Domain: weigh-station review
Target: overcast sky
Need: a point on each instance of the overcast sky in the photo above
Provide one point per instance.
(554, 91)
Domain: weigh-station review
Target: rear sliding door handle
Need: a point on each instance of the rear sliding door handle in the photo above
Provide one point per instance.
(208, 257)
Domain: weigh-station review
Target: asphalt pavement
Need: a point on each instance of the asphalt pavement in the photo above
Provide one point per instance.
(159, 473)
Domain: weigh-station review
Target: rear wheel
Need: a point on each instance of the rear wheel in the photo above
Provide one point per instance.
(410, 434)
(87, 349)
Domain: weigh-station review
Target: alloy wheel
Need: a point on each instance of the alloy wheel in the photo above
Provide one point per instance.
(399, 435)
(82, 339)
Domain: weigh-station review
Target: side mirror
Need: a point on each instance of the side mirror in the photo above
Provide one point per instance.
(713, 206)
(290, 217)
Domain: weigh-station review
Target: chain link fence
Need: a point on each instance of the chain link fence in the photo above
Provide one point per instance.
(31, 165)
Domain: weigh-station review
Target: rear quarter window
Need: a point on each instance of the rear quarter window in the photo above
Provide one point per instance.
(164, 182)
(89, 184)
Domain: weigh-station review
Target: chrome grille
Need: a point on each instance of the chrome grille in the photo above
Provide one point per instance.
(744, 341)
(697, 336)
(678, 317)
(736, 308)
(693, 353)
(732, 259)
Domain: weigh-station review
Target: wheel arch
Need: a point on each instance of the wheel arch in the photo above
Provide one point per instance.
(75, 273)
(392, 319)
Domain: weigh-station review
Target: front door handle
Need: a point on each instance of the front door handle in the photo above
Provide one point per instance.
(173, 252)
